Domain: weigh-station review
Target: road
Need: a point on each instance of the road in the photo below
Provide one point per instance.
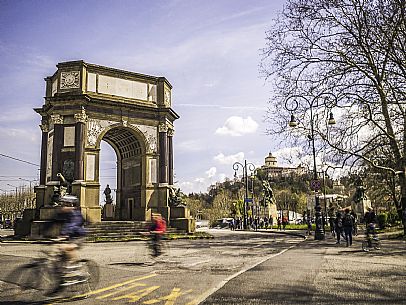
(188, 272)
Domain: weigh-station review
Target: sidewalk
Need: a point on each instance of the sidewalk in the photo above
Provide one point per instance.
(321, 272)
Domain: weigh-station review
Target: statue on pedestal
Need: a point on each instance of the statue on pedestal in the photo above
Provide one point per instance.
(107, 193)
(359, 192)
(60, 190)
(268, 192)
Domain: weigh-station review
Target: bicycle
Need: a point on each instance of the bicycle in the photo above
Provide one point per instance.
(37, 280)
(371, 240)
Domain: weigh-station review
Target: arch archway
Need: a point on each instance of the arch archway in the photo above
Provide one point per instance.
(129, 148)
(86, 104)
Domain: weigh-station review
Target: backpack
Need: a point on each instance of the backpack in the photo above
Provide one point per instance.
(347, 221)
(340, 222)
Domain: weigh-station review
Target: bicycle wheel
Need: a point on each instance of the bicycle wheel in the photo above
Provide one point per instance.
(365, 246)
(86, 283)
(29, 283)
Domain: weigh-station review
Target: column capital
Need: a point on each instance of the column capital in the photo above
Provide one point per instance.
(56, 119)
(80, 117)
(171, 132)
(163, 127)
(44, 127)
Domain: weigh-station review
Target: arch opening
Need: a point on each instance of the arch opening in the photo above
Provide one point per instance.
(129, 174)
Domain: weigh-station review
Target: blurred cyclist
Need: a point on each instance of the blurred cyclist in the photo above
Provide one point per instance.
(72, 232)
(157, 230)
(370, 222)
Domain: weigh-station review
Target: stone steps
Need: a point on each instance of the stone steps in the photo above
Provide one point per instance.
(111, 230)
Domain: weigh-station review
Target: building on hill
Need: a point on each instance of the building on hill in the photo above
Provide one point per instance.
(272, 169)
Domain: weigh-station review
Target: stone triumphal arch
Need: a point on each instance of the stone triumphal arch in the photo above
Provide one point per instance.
(86, 104)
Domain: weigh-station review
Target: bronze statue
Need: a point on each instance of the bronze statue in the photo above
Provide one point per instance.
(175, 200)
(360, 191)
(107, 193)
(61, 190)
(268, 192)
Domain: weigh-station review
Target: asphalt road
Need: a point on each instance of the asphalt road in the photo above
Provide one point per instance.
(237, 268)
(188, 272)
(321, 272)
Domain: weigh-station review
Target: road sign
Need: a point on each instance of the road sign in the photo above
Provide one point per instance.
(315, 185)
(248, 200)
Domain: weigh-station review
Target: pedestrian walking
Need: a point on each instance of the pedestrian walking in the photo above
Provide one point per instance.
(338, 226)
(309, 223)
(279, 224)
(348, 226)
(355, 227)
(284, 222)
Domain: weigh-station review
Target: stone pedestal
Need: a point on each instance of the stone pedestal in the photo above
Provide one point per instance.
(180, 218)
(108, 211)
(361, 207)
(186, 224)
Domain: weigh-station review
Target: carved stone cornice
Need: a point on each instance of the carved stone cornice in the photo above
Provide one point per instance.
(56, 119)
(163, 127)
(80, 117)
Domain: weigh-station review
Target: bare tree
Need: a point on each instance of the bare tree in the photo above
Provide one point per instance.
(346, 57)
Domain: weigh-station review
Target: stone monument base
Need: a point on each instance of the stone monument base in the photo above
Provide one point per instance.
(108, 212)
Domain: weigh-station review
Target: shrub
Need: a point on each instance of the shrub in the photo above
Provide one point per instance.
(382, 220)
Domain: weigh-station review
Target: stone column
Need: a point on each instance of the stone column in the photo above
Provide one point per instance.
(57, 145)
(80, 119)
(163, 153)
(171, 132)
(44, 146)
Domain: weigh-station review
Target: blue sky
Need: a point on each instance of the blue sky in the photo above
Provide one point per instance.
(208, 50)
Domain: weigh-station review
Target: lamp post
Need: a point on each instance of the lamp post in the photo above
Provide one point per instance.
(245, 167)
(315, 183)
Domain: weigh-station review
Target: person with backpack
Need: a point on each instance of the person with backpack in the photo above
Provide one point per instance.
(71, 238)
(338, 226)
(348, 226)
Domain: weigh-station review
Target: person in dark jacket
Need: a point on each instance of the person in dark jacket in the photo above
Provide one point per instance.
(338, 226)
(348, 226)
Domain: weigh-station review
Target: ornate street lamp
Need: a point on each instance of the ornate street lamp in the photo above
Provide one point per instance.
(291, 106)
(245, 168)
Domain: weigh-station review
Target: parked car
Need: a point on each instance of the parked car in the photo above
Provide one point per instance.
(223, 223)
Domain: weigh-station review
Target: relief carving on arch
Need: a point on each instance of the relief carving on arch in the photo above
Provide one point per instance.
(150, 135)
(94, 128)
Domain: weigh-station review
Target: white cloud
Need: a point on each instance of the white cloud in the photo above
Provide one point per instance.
(199, 180)
(288, 155)
(222, 177)
(237, 126)
(230, 159)
(211, 172)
